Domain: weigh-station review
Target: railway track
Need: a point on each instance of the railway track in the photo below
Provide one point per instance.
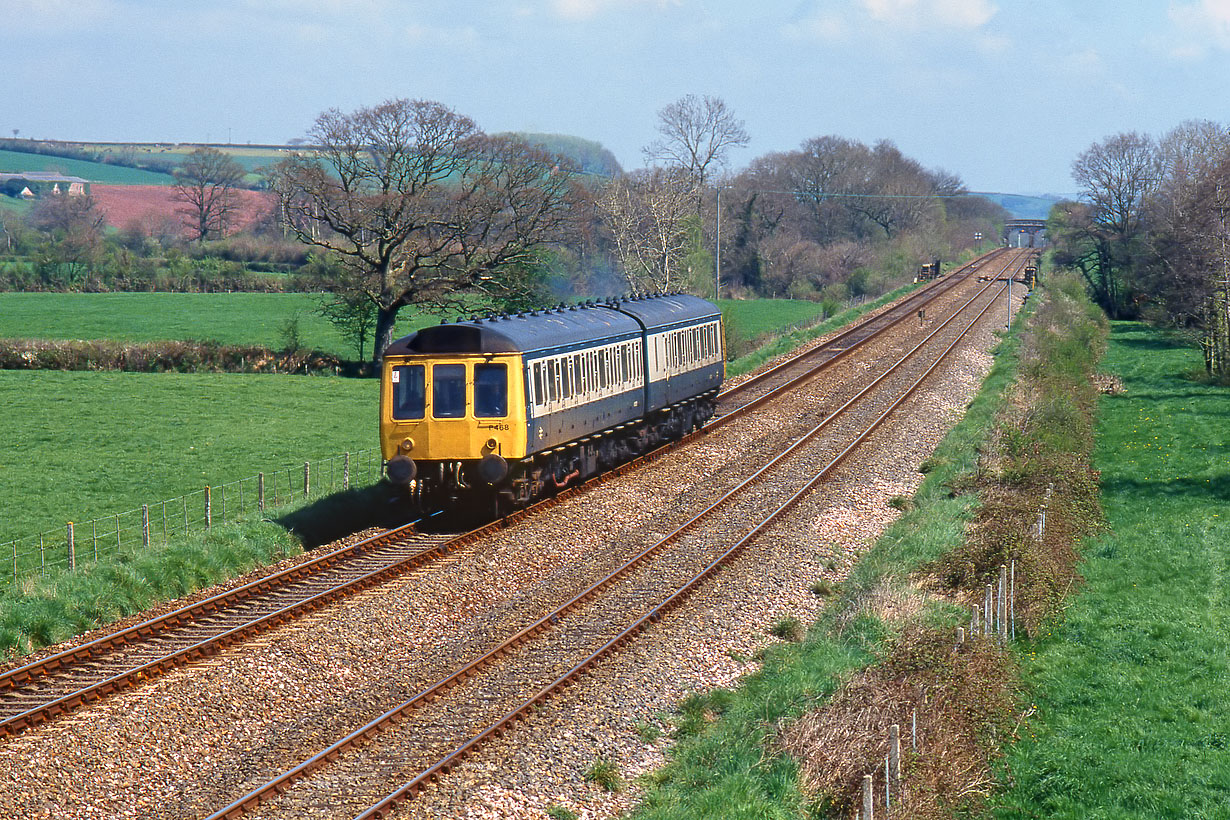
(60, 683)
(414, 744)
(801, 366)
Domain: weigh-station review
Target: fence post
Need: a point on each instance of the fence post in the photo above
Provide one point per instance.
(145, 526)
(868, 799)
(307, 479)
(988, 625)
(72, 548)
(1012, 598)
(888, 797)
(346, 472)
(1003, 603)
(42, 556)
(209, 512)
(894, 753)
(260, 491)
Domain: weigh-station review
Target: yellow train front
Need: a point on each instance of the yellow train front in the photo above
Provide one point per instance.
(497, 412)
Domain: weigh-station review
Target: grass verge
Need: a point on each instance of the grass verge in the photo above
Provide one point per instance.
(45, 611)
(731, 758)
(1131, 719)
(763, 329)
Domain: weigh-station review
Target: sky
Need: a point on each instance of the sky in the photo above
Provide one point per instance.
(1004, 94)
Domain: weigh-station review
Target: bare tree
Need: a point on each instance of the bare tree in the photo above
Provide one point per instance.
(1116, 176)
(647, 212)
(1188, 284)
(423, 208)
(74, 225)
(695, 134)
(208, 183)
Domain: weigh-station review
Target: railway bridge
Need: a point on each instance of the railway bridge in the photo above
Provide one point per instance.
(1016, 229)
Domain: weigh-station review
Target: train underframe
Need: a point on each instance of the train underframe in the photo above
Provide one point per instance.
(459, 485)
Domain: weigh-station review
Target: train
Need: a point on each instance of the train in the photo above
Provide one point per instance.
(500, 411)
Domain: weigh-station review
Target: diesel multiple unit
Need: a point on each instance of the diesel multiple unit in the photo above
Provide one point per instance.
(511, 408)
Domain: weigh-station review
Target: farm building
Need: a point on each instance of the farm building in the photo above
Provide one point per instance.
(37, 184)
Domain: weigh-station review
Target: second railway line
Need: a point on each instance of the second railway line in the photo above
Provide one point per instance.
(449, 603)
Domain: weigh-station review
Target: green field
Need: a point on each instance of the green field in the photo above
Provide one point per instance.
(1132, 719)
(82, 445)
(758, 317)
(228, 318)
(259, 318)
(13, 162)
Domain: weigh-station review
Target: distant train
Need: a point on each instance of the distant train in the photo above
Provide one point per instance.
(504, 410)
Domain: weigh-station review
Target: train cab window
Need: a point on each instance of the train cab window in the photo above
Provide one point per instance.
(448, 391)
(409, 393)
(491, 390)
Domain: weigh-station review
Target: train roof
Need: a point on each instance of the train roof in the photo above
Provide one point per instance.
(660, 312)
(558, 328)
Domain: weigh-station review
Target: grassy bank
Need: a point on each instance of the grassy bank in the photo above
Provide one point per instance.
(728, 760)
(797, 737)
(762, 329)
(1131, 717)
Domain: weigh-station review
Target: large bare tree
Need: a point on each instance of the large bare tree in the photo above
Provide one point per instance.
(424, 208)
(207, 182)
(1116, 176)
(696, 133)
(648, 213)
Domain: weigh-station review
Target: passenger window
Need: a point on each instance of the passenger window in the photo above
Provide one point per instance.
(409, 395)
(448, 391)
(490, 390)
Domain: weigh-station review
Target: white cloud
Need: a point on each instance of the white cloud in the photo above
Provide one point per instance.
(459, 37)
(831, 22)
(1199, 26)
(26, 16)
(586, 9)
(931, 13)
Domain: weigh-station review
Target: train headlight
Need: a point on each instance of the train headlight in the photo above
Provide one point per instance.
(407, 445)
(491, 445)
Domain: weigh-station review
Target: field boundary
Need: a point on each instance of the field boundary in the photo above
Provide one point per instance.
(63, 549)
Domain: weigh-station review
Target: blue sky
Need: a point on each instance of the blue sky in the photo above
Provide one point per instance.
(1004, 94)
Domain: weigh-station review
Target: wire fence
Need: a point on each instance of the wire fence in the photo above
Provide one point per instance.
(163, 521)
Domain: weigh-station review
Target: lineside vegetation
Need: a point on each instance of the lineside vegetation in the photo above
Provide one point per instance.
(796, 738)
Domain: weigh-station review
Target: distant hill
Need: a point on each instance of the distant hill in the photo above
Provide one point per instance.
(1021, 206)
(18, 161)
(589, 155)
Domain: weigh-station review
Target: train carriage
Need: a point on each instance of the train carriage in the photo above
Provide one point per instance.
(518, 406)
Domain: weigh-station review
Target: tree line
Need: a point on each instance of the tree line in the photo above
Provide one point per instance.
(1150, 234)
(410, 202)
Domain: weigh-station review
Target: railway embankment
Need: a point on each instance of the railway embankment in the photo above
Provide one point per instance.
(911, 646)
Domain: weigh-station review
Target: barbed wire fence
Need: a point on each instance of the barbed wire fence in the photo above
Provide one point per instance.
(159, 523)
